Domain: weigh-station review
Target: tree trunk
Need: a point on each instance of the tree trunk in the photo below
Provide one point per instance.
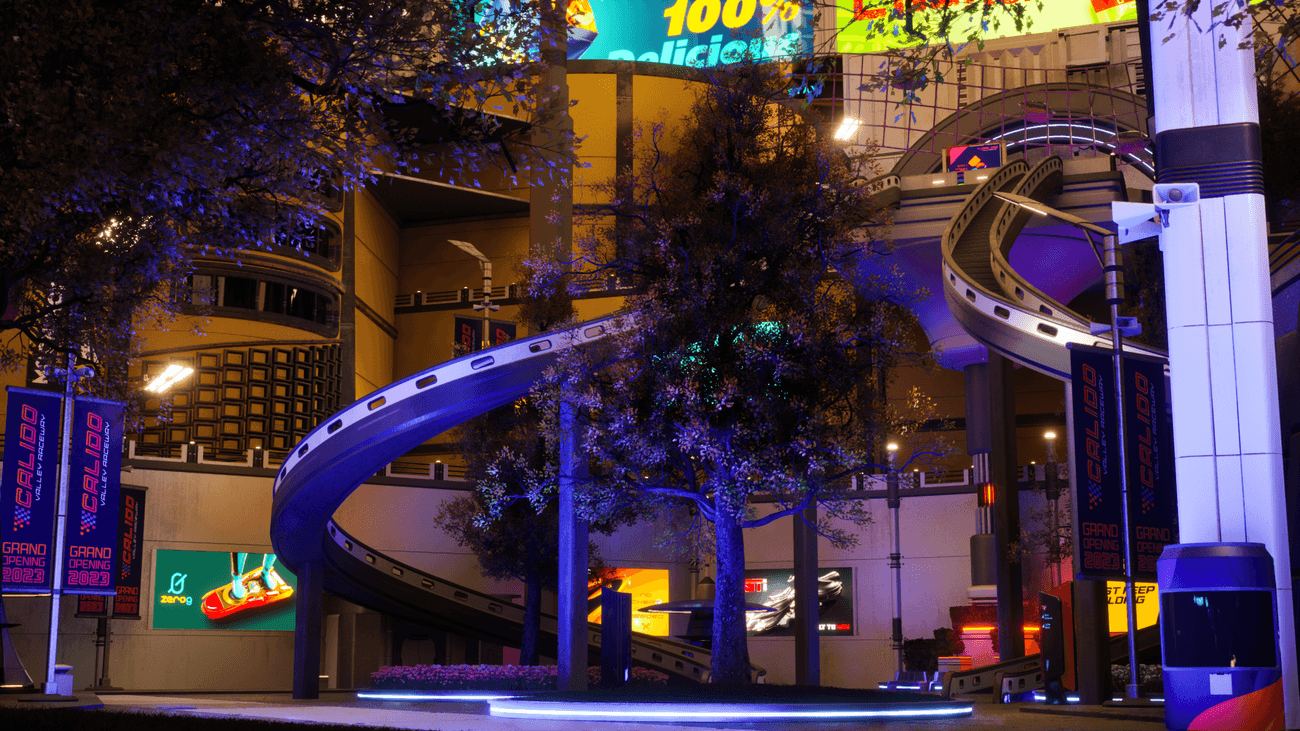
(730, 645)
(528, 654)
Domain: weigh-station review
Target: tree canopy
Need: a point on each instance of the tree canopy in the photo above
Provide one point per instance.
(136, 134)
(749, 367)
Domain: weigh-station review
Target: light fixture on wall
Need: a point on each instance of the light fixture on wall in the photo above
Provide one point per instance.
(170, 376)
(847, 129)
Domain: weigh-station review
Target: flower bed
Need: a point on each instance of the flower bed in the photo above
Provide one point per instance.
(465, 677)
(491, 677)
(637, 677)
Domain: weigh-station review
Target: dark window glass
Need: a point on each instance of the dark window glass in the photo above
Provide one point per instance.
(240, 292)
(1218, 629)
(276, 299)
(318, 240)
(302, 303)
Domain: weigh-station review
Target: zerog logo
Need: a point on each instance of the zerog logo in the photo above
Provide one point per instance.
(29, 480)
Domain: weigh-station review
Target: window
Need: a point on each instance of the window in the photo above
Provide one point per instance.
(1218, 629)
(239, 292)
(201, 290)
(321, 241)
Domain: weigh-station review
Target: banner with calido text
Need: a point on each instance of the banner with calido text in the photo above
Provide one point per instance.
(94, 473)
(130, 547)
(1098, 502)
(130, 532)
(30, 490)
(1149, 447)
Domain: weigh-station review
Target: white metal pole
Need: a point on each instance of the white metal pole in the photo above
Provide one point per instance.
(1113, 269)
(56, 585)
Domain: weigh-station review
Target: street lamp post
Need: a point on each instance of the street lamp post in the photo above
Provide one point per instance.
(486, 306)
(1112, 267)
(895, 558)
(1053, 489)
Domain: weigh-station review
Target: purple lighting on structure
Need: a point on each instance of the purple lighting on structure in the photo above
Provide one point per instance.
(703, 712)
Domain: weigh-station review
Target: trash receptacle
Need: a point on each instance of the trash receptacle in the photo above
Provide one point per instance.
(1218, 637)
(63, 679)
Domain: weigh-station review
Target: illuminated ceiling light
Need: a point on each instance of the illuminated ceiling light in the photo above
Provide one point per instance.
(168, 378)
(892, 447)
(1050, 435)
(848, 127)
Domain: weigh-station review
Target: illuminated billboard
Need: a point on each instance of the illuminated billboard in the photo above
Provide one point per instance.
(695, 33)
(1146, 600)
(775, 588)
(221, 590)
(872, 26)
(647, 587)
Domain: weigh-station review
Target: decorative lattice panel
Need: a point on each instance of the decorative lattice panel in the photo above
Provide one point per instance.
(237, 400)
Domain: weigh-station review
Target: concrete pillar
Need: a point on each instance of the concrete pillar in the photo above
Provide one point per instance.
(1006, 505)
(572, 629)
(306, 630)
(807, 640)
(1227, 441)
(1091, 642)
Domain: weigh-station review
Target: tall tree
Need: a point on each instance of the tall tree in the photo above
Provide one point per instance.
(135, 134)
(749, 334)
(518, 540)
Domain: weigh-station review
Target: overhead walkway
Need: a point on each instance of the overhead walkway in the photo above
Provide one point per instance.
(998, 307)
(925, 207)
(342, 453)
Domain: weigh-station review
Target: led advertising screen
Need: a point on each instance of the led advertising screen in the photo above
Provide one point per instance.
(775, 588)
(872, 26)
(220, 590)
(647, 587)
(965, 158)
(696, 33)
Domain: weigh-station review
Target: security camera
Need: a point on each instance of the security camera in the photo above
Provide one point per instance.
(1177, 193)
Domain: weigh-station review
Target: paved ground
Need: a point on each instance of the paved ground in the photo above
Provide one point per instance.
(340, 709)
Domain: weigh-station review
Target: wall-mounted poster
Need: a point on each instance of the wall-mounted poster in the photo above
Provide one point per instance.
(775, 588)
(647, 587)
(221, 590)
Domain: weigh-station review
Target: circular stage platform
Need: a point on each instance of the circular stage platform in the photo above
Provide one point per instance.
(710, 712)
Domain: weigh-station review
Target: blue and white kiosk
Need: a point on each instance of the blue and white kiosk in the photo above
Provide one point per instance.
(1218, 619)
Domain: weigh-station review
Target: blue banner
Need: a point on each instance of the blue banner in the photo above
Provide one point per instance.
(30, 490)
(1149, 446)
(94, 476)
(1098, 502)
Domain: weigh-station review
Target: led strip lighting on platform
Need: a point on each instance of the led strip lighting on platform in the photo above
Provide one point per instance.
(715, 712)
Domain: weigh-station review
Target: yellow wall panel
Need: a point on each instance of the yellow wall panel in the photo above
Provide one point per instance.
(374, 355)
(595, 114)
(375, 228)
(430, 264)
